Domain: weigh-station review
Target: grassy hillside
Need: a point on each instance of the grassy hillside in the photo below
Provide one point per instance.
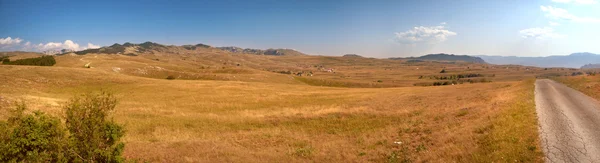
(214, 121)
(228, 107)
(215, 64)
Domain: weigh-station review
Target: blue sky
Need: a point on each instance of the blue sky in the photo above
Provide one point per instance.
(369, 28)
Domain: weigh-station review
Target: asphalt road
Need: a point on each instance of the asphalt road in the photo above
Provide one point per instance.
(569, 123)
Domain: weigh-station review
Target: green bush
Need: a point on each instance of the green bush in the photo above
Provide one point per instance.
(90, 135)
(35, 137)
(93, 136)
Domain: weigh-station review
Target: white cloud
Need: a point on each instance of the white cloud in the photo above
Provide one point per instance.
(422, 34)
(587, 2)
(559, 13)
(539, 33)
(92, 46)
(68, 44)
(554, 23)
(9, 41)
(50, 45)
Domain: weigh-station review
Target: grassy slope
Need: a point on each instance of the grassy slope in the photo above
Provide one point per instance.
(589, 85)
(236, 121)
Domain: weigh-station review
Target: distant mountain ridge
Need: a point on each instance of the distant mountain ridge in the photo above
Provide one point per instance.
(588, 66)
(151, 47)
(278, 52)
(447, 57)
(353, 55)
(126, 49)
(575, 60)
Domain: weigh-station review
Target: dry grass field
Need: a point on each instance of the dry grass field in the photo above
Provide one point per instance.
(235, 108)
(588, 84)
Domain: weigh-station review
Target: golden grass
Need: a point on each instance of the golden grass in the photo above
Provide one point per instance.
(347, 71)
(589, 85)
(268, 121)
(512, 135)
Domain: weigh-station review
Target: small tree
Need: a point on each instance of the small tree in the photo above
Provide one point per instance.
(443, 71)
(94, 137)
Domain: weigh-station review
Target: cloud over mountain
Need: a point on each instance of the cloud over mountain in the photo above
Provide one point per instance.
(421, 34)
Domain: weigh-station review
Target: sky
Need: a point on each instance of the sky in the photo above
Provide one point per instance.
(373, 28)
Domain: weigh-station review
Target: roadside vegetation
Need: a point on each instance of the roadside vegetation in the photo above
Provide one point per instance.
(512, 136)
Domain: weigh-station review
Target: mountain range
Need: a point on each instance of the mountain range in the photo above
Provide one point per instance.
(447, 57)
(151, 47)
(575, 60)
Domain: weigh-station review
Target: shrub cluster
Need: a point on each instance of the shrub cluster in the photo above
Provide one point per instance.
(46, 60)
(4, 59)
(576, 73)
(284, 72)
(414, 61)
(591, 73)
(453, 77)
(88, 134)
(482, 80)
(33, 137)
(445, 83)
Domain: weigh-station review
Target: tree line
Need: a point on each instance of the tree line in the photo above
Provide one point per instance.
(454, 77)
(46, 60)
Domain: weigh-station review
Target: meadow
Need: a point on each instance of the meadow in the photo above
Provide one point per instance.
(239, 108)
